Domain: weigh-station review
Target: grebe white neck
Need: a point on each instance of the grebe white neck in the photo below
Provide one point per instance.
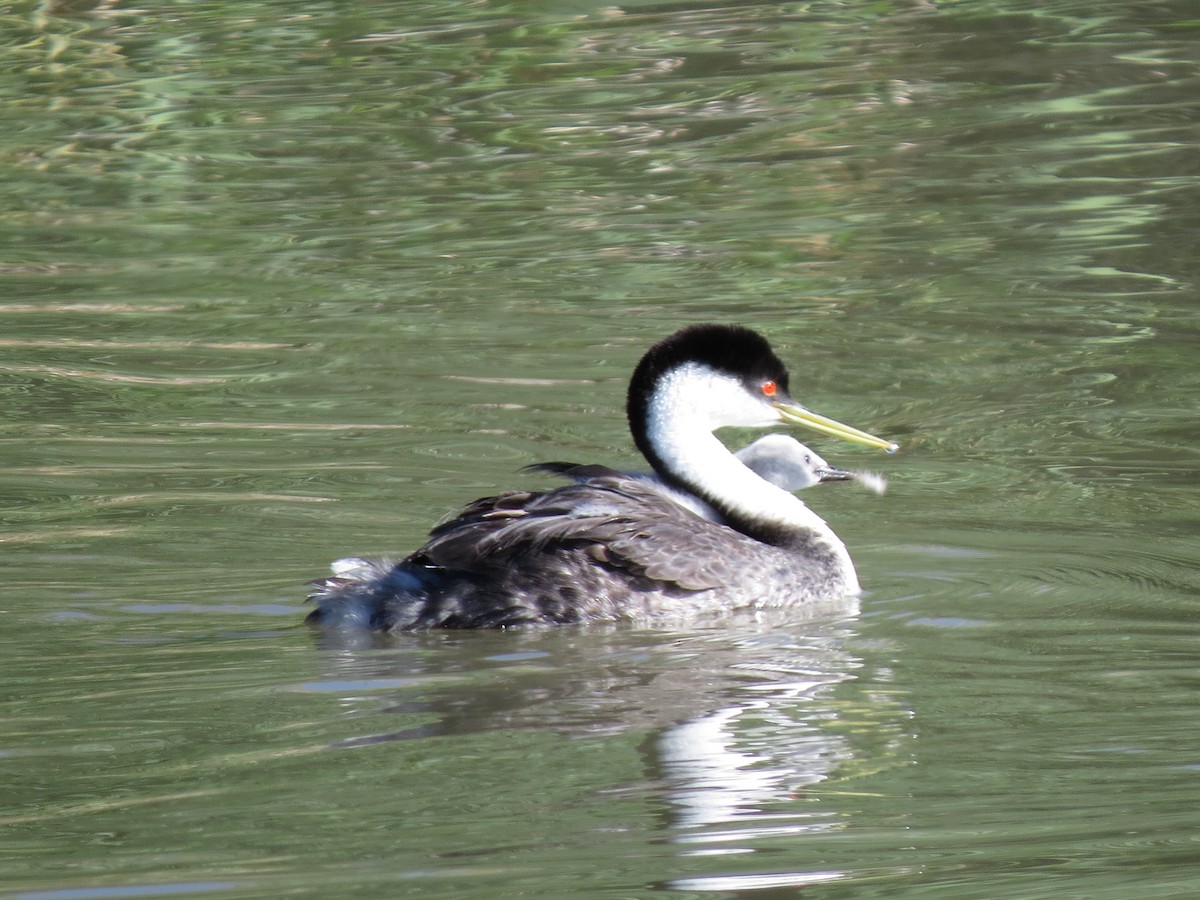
(688, 404)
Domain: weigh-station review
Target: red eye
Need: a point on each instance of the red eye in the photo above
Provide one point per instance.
(769, 388)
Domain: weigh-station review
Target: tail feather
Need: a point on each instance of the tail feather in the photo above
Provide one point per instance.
(367, 594)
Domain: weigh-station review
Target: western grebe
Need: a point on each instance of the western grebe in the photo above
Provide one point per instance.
(610, 547)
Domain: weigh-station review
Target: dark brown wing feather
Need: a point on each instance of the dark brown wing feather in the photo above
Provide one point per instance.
(614, 519)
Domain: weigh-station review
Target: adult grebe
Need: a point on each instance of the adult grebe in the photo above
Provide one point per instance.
(610, 547)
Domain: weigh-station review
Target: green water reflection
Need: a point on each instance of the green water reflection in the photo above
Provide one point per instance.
(280, 283)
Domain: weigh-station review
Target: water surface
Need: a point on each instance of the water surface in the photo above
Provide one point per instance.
(284, 283)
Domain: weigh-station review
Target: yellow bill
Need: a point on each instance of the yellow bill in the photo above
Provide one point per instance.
(798, 415)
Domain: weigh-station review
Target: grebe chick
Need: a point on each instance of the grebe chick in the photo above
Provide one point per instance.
(778, 458)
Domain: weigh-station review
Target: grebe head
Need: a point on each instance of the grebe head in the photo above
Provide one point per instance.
(789, 464)
(713, 376)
